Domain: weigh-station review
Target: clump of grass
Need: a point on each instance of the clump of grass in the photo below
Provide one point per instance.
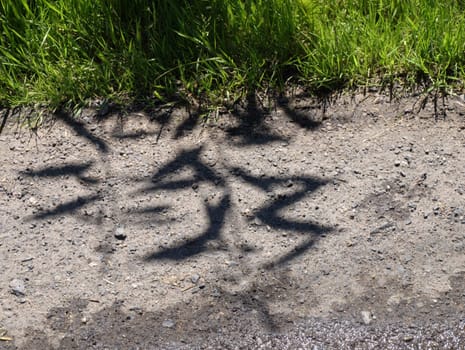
(353, 43)
(66, 51)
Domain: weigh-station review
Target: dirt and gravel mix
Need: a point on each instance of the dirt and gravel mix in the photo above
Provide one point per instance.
(284, 228)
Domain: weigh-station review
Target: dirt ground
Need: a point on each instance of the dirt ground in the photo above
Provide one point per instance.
(146, 231)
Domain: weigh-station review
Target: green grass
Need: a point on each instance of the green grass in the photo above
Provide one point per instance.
(57, 52)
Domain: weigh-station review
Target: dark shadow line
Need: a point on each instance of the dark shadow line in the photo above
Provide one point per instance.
(251, 128)
(162, 118)
(67, 207)
(216, 215)
(249, 299)
(172, 185)
(301, 119)
(188, 159)
(5, 116)
(265, 183)
(269, 214)
(294, 253)
(132, 135)
(188, 124)
(253, 137)
(81, 130)
(148, 209)
(69, 169)
(274, 221)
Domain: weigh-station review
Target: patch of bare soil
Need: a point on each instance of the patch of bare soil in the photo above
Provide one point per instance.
(263, 230)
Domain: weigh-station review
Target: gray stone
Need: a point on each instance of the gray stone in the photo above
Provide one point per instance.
(18, 287)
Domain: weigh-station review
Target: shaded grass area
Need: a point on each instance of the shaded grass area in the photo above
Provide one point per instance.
(58, 52)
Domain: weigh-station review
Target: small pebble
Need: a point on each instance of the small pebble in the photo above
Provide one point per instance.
(120, 233)
(195, 278)
(216, 293)
(18, 287)
(366, 317)
(408, 338)
(168, 323)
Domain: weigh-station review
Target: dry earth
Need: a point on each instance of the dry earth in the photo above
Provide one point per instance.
(262, 230)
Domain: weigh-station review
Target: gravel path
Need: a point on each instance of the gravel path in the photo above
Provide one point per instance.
(271, 230)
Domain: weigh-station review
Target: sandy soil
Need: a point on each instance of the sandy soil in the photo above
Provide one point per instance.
(145, 231)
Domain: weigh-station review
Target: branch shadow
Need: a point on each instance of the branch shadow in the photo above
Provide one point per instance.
(187, 125)
(216, 213)
(149, 210)
(120, 131)
(269, 213)
(73, 169)
(291, 255)
(148, 215)
(67, 207)
(133, 135)
(186, 159)
(252, 128)
(304, 117)
(5, 113)
(82, 131)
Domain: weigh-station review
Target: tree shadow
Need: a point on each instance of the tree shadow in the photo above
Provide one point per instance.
(71, 169)
(253, 131)
(216, 212)
(269, 213)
